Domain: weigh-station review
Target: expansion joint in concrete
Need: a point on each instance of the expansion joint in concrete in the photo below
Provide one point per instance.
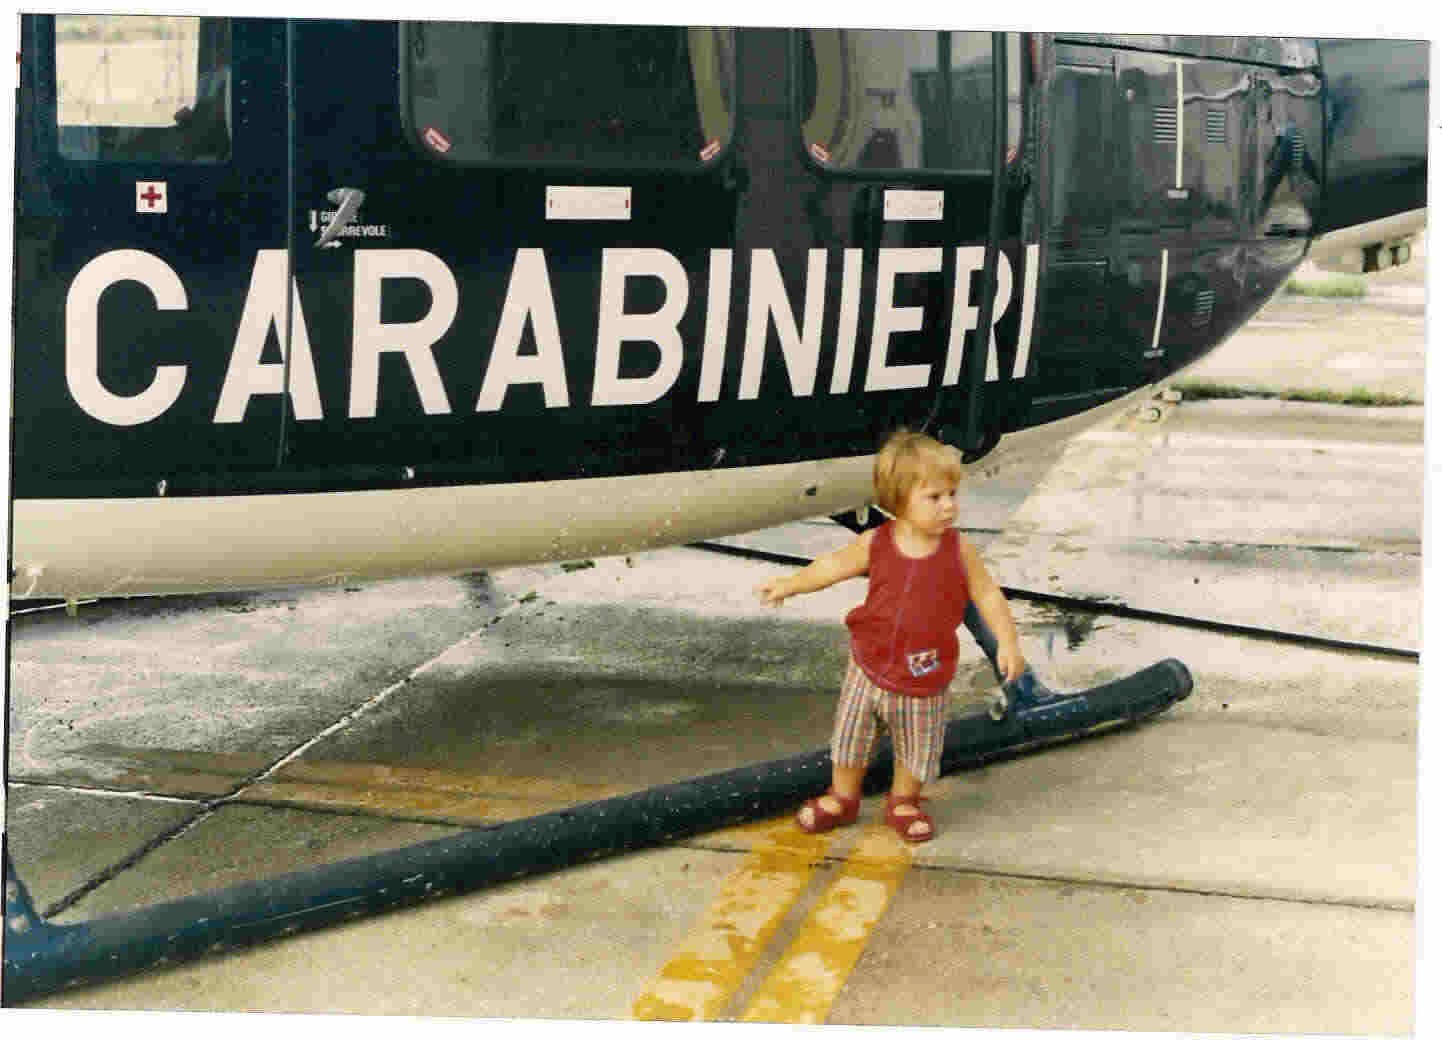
(96, 790)
(1100, 883)
(207, 807)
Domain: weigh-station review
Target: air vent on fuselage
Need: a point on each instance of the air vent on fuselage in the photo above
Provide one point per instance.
(1202, 311)
(1164, 125)
(1216, 126)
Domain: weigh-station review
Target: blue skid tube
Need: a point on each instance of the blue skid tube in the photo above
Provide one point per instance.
(1027, 692)
(42, 957)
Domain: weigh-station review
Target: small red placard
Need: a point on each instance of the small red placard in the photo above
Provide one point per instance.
(436, 139)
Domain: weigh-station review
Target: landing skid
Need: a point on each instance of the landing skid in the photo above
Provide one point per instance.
(1028, 701)
(43, 957)
(1026, 693)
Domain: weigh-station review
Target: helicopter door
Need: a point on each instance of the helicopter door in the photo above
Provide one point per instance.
(1187, 132)
(897, 139)
(503, 242)
(151, 194)
(1075, 333)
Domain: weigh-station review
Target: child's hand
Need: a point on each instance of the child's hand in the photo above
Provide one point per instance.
(1010, 662)
(772, 592)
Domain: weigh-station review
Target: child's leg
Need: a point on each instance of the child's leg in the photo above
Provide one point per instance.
(918, 728)
(852, 739)
(904, 783)
(844, 780)
(906, 800)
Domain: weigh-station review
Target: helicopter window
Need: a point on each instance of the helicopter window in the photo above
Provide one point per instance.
(593, 95)
(143, 87)
(892, 99)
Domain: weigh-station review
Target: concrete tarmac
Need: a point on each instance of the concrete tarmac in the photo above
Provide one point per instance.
(1244, 863)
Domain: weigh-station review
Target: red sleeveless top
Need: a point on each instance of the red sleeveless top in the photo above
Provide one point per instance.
(903, 636)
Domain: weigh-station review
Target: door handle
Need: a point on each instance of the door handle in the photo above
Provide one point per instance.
(347, 204)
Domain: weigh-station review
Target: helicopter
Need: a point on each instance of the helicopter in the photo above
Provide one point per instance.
(533, 292)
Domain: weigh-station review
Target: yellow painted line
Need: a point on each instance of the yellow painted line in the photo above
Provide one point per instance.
(425, 792)
(418, 804)
(809, 977)
(422, 792)
(173, 772)
(714, 959)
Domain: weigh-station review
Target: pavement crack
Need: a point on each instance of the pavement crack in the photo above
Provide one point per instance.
(97, 790)
(1237, 893)
(208, 807)
(1381, 905)
(105, 875)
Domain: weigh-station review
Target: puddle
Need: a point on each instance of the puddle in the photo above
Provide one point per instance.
(480, 590)
(1054, 625)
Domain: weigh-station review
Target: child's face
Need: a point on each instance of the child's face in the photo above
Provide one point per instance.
(931, 505)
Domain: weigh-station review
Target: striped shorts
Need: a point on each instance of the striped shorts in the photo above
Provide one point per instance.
(917, 725)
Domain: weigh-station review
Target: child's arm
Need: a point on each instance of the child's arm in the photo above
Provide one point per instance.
(991, 602)
(847, 563)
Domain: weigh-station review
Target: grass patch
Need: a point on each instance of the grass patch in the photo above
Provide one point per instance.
(1330, 286)
(1200, 391)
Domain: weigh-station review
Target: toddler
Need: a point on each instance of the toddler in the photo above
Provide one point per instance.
(922, 573)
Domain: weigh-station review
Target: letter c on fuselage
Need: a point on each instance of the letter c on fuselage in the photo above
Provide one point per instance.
(82, 337)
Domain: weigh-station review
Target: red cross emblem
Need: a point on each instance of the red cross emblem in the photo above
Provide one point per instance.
(150, 197)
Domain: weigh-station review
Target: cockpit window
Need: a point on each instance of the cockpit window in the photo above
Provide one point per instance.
(895, 99)
(569, 94)
(143, 87)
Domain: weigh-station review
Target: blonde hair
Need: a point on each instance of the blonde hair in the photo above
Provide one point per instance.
(908, 459)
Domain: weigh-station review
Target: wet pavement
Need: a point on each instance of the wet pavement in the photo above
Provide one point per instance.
(1375, 344)
(1246, 862)
(1275, 517)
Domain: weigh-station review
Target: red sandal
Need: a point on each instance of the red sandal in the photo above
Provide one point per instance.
(901, 824)
(823, 820)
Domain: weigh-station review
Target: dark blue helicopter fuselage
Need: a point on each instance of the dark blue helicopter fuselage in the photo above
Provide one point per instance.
(553, 269)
